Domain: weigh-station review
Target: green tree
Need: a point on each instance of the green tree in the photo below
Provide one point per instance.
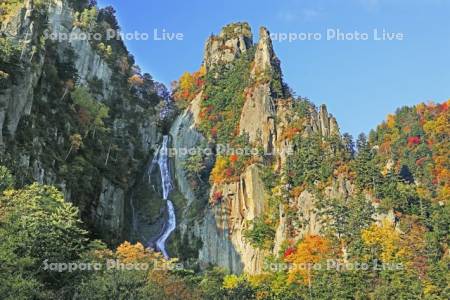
(6, 179)
(91, 113)
(195, 165)
(37, 227)
(310, 162)
(86, 19)
(367, 173)
(260, 234)
(345, 218)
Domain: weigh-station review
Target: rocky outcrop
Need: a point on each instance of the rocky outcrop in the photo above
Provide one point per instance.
(323, 123)
(265, 59)
(259, 111)
(258, 117)
(88, 62)
(231, 42)
(264, 118)
(306, 207)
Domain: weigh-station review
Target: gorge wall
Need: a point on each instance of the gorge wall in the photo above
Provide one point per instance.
(50, 138)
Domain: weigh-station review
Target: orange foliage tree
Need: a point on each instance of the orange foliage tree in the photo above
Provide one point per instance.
(136, 81)
(313, 249)
(129, 253)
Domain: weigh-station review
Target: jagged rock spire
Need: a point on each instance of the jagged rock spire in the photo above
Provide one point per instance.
(233, 40)
(265, 59)
(323, 122)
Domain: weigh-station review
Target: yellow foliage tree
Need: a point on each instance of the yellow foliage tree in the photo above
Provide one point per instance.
(384, 242)
(217, 174)
(186, 81)
(230, 282)
(189, 85)
(9, 9)
(390, 122)
(170, 286)
(129, 253)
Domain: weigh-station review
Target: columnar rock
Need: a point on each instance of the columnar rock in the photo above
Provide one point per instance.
(258, 114)
(265, 115)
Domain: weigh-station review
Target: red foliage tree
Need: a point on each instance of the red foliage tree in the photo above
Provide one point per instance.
(289, 251)
(413, 140)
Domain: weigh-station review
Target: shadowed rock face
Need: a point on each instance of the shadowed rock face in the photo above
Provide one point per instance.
(16, 100)
(107, 210)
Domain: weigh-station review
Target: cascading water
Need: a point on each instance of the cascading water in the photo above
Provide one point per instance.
(169, 227)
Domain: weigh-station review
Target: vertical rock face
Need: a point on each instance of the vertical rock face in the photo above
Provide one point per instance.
(16, 100)
(264, 56)
(184, 137)
(109, 214)
(106, 210)
(90, 65)
(88, 62)
(258, 114)
(258, 117)
(324, 123)
(264, 117)
(222, 231)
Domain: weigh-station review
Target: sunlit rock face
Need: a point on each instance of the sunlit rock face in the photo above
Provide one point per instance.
(266, 113)
(232, 41)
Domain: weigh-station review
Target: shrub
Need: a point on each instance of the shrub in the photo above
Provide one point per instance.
(6, 179)
(86, 19)
(91, 113)
(260, 234)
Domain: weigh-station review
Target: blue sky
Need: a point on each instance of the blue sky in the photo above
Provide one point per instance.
(360, 81)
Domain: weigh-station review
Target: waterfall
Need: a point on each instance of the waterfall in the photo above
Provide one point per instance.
(169, 227)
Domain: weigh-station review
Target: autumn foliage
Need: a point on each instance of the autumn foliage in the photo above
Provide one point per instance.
(136, 80)
(189, 85)
(228, 168)
(418, 138)
(313, 249)
(217, 197)
(413, 140)
(129, 253)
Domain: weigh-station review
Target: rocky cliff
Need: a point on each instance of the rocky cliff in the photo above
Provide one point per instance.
(40, 121)
(267, 113)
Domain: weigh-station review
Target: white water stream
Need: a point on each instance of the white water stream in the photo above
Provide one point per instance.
(169, 227)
